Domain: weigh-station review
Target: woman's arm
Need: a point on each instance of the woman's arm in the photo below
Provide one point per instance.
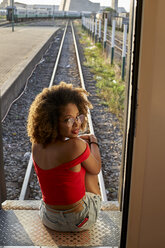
(95, 148)
(93, 163)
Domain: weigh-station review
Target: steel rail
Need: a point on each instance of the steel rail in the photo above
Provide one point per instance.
(101, 180)
(24, 189)
(58, 57)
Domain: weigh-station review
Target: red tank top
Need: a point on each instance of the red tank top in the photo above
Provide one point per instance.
(60, 185)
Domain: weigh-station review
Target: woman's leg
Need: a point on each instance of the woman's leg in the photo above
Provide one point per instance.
(91, 183)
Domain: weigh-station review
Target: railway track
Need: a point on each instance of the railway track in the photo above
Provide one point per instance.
(69, 31)
(16, 144)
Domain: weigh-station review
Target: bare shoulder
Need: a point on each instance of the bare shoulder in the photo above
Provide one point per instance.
(77, 146)
(77, 143)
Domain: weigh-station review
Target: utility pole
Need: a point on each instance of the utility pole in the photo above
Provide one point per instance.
(12, 15)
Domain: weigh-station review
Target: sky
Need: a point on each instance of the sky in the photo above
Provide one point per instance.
(121, 3)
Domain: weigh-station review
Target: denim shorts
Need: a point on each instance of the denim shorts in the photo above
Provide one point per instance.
(72, 222)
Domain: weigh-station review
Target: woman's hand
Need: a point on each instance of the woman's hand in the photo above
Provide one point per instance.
(88, 138)
(93, 138)
(85, 137)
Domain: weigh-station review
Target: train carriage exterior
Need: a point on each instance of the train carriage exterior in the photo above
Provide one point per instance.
(42, 14)
(9, 13)
(59, 14)
(72, 14)
(31, 14)
(21, 14)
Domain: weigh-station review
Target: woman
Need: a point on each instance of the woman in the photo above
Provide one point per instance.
(66, 165)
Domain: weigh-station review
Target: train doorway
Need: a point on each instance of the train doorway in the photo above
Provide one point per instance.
(130, 112)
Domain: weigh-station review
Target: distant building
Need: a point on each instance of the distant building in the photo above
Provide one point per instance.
(19, 5)
(121, 10)
(114, 5)
(79, 5)
(34, 6)
(4, 4)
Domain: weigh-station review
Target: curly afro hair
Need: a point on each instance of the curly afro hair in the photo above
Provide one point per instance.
(45, 111)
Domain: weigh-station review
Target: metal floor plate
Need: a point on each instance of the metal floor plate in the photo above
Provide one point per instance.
(34, 205)
(24, 228)
(21, 204)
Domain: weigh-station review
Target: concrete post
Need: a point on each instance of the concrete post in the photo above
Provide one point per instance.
(96, 31)
(93, 28)
(12, 15)
(105, 32)
(113, 40)
(99, 30)
(87, 22)
(124, 50)
(88, 26)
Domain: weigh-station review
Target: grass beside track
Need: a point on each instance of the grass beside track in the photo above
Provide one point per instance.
(110, 87)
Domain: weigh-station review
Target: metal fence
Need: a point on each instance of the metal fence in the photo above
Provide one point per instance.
(112, 46)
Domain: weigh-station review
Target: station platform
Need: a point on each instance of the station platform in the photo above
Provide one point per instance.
(20, 226)
(20, 51)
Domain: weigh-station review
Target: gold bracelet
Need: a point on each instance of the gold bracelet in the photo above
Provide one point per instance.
(92, 142)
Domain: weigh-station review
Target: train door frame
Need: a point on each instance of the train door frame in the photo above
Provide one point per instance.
(130, 115)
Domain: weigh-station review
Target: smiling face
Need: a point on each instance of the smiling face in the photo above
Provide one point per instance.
(66, 129)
